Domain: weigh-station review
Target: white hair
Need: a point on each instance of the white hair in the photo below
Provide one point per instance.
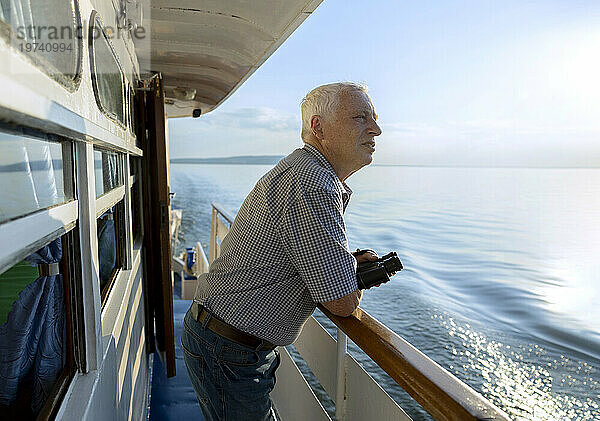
(323, 101)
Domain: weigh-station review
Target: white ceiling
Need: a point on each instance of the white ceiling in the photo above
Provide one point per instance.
(213, 46)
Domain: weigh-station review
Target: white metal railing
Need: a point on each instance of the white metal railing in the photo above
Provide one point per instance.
(188, 286)
(220, 223)
(357, 396)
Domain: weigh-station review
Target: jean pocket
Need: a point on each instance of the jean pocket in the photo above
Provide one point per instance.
(189, 352)
(258, 366)
(196, 334)
(235, 355)
(193, 346)
(241, 374)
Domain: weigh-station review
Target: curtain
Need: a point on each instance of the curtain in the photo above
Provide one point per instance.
(107, 247)
(32, 341)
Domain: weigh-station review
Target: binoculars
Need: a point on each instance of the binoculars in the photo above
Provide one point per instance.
(378, 271)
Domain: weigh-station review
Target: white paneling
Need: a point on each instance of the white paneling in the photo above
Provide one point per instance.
(188, 288)
(113, 312)
(117, 389)
(292, 396)
(318, 349)
(127, 332)
(366, 399)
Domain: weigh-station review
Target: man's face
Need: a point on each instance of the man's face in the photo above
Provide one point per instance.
(349, 133)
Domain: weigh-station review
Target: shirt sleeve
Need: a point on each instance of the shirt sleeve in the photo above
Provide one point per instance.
(314, 235)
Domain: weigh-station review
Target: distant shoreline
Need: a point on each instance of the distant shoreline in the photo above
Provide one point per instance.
(237, 160)
(274, 159)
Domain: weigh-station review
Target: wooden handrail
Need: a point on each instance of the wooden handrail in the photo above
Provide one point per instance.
(224, 212)
(440, 393)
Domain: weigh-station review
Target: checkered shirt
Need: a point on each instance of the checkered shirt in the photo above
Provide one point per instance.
(286, 251)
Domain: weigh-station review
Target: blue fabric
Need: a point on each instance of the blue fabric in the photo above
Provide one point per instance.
(232, 381)
(32, 340)
(107, 249)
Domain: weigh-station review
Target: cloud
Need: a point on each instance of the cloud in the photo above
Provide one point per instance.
(255, 118)
(489, 143)
(485, 128)
(243, 131)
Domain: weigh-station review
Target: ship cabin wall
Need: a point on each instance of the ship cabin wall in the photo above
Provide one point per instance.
(100, 183)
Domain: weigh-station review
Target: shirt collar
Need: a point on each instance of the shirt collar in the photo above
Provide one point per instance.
(317, 154)
(346, 191)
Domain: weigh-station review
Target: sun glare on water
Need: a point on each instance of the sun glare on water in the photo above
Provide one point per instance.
(525, 380)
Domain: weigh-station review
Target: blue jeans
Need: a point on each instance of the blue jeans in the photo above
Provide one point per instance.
(232, 381)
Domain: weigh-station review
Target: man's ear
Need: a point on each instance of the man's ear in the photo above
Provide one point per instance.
(316, 127)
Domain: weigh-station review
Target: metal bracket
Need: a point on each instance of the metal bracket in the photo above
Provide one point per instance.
(164, 216)
(49, 269)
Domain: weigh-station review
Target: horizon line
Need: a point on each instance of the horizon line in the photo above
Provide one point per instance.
(375, 164)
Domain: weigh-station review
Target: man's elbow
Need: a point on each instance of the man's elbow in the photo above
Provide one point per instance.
(345, 312)
(344, 306)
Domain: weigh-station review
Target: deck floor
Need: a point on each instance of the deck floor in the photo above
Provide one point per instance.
(174, 399)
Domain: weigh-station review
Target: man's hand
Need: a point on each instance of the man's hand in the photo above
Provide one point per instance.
(346, 305)
(368, 256)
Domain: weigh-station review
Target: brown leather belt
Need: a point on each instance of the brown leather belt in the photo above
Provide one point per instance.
(219, 327)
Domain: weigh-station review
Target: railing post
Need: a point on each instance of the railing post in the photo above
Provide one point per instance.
(340, 391)
(212, 251)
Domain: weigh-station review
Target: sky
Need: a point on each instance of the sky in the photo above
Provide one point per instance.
(458, 83)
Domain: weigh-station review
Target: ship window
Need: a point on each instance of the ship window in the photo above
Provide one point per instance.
(34, 174)
(108, 171)
(111, 246)
(110, 212)
(49, 33)
(107, 76)
(36, 325)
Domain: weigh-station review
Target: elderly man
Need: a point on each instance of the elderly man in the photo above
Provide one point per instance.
(286, 252)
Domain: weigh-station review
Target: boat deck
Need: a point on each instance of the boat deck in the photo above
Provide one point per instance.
(174, 399)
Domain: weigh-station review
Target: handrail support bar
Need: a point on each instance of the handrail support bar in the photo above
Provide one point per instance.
(340, 393)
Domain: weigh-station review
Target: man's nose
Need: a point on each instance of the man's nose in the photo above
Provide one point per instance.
(375, 130)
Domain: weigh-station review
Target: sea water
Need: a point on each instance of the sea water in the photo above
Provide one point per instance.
(501, 284)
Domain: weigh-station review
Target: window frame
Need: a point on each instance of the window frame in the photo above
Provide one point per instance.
(120, 198)
(96, 21)
(68, 270)
(120, 245)
(69, 84)
(33, 230)
(68, 160)
(29, 233)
